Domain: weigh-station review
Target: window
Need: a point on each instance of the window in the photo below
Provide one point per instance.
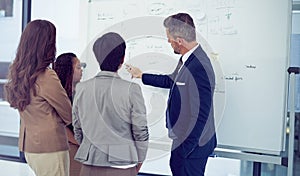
(3, 74)
(10, 31)
(6, 8)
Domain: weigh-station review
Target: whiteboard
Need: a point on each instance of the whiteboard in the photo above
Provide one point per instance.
(247, 42)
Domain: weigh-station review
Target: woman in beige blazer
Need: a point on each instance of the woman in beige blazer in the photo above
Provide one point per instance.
(45, 109)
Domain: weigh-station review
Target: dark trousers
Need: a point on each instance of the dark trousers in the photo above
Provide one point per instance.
(186, 166)
(75, 166)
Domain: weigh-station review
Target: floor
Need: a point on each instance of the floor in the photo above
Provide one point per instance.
(10, 168)
(216, 166)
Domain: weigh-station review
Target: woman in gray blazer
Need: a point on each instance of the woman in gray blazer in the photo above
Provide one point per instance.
(109, 116)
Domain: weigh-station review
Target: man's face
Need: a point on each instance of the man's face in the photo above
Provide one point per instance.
(173, 42)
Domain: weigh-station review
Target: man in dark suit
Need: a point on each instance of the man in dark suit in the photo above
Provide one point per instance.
(189, 114)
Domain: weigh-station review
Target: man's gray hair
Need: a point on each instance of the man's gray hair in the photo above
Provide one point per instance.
(181, 25)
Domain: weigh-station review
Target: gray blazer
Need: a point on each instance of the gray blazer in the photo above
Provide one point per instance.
(109, 119)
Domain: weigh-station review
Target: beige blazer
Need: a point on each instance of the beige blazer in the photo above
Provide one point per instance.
(43, 121)
(109, 119)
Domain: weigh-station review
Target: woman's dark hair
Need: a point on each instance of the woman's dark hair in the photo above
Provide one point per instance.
(36, 51)
(109, 50)
(181, 25)
(64, 68)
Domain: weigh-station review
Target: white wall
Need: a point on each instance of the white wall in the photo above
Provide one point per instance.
(65, 16)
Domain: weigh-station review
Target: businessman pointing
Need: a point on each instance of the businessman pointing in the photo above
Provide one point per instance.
(189, 113)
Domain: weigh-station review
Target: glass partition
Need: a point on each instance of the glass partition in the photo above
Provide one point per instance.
(10, 31)
(65, 16)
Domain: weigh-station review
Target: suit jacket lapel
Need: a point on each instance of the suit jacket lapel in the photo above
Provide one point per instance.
(194, 55)
(184, 66)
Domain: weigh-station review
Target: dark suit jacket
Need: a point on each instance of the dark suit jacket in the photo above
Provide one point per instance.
(189, 114)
